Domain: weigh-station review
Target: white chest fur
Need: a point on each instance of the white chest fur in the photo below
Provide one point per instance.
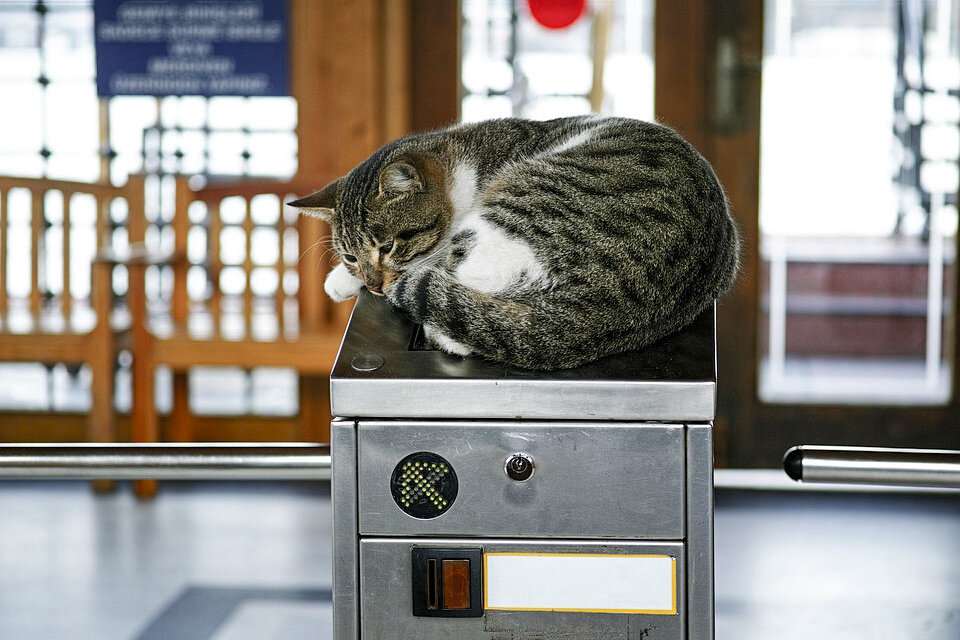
(495, 260)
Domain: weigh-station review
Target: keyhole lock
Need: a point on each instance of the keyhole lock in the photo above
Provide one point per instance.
(519, 467)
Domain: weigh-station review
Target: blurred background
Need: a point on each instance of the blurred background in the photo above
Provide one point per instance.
(153, 285)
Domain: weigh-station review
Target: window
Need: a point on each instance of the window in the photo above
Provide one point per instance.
(53, 125)
(512, 66)
(858, 210)
(50, 114)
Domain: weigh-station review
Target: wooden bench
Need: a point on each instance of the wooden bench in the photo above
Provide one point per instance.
(41, 324)
(238, 234)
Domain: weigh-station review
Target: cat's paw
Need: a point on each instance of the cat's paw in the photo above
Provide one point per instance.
(341, 285)
(444, 342)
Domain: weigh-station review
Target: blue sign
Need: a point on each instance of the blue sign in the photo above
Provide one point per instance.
(191, 47)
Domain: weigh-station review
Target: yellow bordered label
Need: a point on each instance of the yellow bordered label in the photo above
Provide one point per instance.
(653, 612)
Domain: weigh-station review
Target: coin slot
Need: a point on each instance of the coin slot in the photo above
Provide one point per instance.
(433, 592)
(447, 582)
(418, 340)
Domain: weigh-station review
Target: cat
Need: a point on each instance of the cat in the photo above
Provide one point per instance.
(539, 244)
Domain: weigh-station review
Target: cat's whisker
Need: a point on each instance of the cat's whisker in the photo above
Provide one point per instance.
(420, 262)
(325, 254)
(314, 246)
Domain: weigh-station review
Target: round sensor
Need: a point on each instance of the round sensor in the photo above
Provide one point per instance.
(424, 485)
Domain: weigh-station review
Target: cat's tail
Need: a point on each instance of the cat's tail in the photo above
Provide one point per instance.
(496, 328)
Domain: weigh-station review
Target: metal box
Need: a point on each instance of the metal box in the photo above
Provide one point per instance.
(476, 501)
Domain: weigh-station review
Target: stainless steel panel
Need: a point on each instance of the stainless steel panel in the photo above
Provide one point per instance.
(592, 480)
(673, 380)
(346, 613)
(873, 465)
(387, 602)
(700, 532)
(520, 399)
(123, 461)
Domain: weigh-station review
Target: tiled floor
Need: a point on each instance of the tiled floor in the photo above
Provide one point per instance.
(244, 562)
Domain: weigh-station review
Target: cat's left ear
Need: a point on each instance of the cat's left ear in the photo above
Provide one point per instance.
(400, 177)
(321, 203)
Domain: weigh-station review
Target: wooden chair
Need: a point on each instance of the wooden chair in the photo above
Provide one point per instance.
(221, 328)
(63, 328)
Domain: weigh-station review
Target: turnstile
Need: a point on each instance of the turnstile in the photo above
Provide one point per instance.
(474, 501)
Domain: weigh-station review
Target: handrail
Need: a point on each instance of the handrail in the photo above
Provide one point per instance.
(165, 461)
(53, 184)
(874, 466)
(214, 191)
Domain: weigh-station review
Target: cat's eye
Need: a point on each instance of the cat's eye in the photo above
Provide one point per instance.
(349, 258)
(386, 247)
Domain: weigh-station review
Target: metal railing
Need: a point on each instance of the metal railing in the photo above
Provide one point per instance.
(209, 461)
(874, 466)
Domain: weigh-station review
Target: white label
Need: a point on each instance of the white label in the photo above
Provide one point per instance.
(595, 583)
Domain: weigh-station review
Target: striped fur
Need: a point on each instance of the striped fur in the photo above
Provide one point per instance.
(543, 245)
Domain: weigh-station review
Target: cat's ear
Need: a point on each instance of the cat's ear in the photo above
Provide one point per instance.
(321, 203)
(400, 177)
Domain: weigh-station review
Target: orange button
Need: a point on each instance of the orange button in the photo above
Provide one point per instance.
(456, 584)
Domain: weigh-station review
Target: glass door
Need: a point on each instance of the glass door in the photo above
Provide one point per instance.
(858, 216)
(835, 128)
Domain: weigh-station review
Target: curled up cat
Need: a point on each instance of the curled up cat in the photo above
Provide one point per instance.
(540, 244)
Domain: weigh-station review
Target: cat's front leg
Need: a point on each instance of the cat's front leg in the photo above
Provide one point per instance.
(342, 285)
(445, 342)
(410, 292)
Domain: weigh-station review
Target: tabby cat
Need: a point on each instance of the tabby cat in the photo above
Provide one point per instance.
(543, 245)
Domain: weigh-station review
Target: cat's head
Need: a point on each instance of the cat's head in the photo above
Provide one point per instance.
(385, 215)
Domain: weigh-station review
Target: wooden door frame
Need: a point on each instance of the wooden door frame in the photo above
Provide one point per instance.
(368, 71)
(751, 433)
(363, 72)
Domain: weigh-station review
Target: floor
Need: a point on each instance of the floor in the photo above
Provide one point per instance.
(203, 561)
(799, 566)
(237, 562)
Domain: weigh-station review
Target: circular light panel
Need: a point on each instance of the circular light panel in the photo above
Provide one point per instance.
(424, 485)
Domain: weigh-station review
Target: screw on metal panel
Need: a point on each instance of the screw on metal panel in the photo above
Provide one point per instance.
(366, 362)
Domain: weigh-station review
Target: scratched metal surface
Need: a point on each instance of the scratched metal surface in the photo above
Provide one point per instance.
(592, 480)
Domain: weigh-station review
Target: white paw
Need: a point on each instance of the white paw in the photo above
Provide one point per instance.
(341, 285)
(444, 342)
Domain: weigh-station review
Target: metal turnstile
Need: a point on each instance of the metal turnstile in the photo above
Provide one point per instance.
(474, 501)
